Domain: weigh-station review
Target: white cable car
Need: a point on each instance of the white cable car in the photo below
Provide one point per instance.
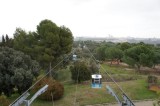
(96, 81)
(74, 58)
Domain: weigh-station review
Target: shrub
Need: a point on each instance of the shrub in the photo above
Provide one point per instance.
(3, 101)
(17, 70)
(94, 67)
(152, 79)
(80, 72)
(55, 89)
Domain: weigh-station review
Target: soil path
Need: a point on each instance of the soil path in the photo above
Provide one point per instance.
(139, 103)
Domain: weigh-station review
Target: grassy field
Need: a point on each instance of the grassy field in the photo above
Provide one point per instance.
(135, 88)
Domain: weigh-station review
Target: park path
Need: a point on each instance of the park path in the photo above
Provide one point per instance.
(139, 103)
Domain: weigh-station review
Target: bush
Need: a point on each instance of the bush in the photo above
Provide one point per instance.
(152, 79)
(55, 89)
(94, 67)
(17, 70)
(80, 71)
(3, 101)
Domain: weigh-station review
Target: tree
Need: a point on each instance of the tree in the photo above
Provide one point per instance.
(3, 40)
(100, 52)
(7, 38)
(66, 39)
(156, 57)
(21, 40)
(138, 56)
(94, 67)
(16, 70)
(124, 46)
(55, 40)
(114, 53)
(47, 44)
(80, 72)
(8, 42)
(91, 45)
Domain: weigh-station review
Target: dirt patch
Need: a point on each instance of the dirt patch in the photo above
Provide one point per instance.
(86, 82)
(143, 70)
(115, 64)
(150, 71)
(154, 88)
(147, 70)
(140, 103)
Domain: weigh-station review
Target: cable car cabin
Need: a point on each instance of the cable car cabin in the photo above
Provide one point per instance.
(96, 81)
(74, 58)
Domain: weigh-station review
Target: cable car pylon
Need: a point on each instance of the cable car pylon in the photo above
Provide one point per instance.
(23, 99)
(126, 101)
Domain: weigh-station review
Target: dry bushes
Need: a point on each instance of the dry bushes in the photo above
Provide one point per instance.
(55, 89)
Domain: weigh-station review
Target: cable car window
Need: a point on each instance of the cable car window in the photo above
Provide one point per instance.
(96, 80)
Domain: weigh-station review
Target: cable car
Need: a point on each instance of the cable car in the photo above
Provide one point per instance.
(96, 81)
(74, 58)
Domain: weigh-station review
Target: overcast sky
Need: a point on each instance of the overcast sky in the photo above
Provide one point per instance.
(94, 18)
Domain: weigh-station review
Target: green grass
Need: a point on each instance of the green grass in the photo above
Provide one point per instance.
(116, 69)
(64, 74)
(136, 89)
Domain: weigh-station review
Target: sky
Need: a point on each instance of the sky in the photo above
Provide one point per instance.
(85, 18)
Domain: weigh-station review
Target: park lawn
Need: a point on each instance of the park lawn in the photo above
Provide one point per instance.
(84, 95)
(119, 73)
(136, 90)
(116, 69)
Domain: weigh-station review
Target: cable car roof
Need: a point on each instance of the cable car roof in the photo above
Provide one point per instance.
(74, 55)
(96, 76)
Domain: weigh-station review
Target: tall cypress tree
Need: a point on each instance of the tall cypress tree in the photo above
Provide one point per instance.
(3, 40)
(7, 38)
